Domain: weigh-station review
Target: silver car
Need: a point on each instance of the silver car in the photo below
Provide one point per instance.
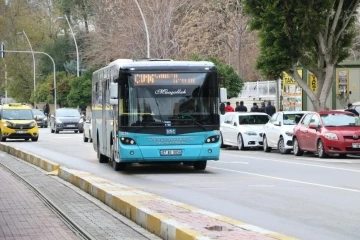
(41, 118)
(67, 119)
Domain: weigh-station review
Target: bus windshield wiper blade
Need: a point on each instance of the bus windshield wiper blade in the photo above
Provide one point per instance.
(193, 120)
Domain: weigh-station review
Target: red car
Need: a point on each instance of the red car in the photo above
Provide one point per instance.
(327, 132)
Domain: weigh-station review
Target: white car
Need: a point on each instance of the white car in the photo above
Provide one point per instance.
(243, 129)
(87, 130)
(278, 132)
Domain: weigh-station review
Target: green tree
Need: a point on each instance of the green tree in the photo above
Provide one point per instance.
(80, 93)
(229, 79)
(313, 34)
(43, 90)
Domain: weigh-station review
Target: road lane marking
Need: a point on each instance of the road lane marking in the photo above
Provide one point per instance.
(232, 162)
(289, 180)
(304, 164)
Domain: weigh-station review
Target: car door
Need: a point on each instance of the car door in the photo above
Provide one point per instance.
(234, 129)
(302, 134)
(226, 128)
(270, 132)
(312, 134)
(277, 129)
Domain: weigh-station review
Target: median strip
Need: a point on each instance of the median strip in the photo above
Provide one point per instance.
(166, 218)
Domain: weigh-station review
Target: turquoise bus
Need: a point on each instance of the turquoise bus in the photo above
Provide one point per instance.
(156, 111)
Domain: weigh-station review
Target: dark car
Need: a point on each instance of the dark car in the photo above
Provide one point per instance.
(327, 132)
(41, 118)
(66, 119)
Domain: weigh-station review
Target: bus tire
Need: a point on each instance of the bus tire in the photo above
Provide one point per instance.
(102, 158)
(119, 166)
(200, 165)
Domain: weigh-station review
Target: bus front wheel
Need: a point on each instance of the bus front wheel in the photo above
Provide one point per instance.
(200, 165)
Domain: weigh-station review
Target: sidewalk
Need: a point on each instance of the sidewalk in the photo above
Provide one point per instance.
(24, 215)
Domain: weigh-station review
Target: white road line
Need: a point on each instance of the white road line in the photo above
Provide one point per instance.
(289, 180)
(232, 162)
(304, 164)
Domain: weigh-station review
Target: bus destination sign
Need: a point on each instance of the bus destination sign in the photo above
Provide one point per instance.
(168, 79)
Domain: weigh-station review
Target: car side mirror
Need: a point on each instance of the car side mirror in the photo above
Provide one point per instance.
(36, 118)
(314, 126)
(277, 123)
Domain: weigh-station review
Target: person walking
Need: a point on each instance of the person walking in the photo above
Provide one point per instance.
(270, 109)
(241, 107)
(351, 109)
(46, 109)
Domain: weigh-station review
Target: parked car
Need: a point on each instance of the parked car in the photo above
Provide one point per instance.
(327, 132)
(41, 118)
(66, 119)
(243, 129)
(278, 132)
(88, 130)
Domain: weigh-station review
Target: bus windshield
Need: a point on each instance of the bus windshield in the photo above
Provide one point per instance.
(170, 99)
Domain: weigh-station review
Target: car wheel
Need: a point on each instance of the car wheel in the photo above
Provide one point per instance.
(296, 149)
(265, 145)
(102, 158)
(240, 142)
(56, 131)
(81, 131)
(321, 150)
(51, 130)
(200, 165)
(35, 139)
(222, 142)
(2, 139)
(26, 139)
(76, 131)
(281, 146)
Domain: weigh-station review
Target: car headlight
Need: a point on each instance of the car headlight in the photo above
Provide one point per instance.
(290, 134)
(250, 133)
(45, 119)
(33, 124)
(58, 121)
(81, 120)
(331, 136)
(8, 124)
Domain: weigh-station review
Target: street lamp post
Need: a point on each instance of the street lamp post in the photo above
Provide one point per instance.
(54, 68)
(146, 29)
(33, 55)
(77, 50)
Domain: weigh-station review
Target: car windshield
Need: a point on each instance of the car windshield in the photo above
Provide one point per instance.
(292, 119)
(253, 119)
(340, 120)
(38, 112)
(67, 113)
(17, 114)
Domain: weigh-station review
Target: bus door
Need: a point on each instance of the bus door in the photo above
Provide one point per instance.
(104, 117)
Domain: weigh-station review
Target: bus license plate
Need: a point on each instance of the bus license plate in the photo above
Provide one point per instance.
(356, 145)
(170, 152)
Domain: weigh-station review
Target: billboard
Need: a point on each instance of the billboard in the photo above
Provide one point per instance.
(291, 93)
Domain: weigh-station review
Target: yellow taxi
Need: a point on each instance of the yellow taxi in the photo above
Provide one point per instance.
(17, 121)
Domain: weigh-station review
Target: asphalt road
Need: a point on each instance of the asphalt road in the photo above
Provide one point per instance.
(303, 197)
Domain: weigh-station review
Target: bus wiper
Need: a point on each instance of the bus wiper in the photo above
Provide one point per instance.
(158, 109)
(145, 125)
(193, 120)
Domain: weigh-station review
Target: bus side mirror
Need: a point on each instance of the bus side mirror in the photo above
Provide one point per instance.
(223, 95)
(113, 91)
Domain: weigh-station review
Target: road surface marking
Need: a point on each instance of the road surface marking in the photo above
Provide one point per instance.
(289, 180)
(304, 164)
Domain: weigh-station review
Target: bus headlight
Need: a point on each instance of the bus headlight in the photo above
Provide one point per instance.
(127, 141)
(212, 139)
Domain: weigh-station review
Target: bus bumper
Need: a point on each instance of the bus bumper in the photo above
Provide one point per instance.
(134, 153)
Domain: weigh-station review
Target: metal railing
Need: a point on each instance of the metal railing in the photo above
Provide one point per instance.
(261, 89)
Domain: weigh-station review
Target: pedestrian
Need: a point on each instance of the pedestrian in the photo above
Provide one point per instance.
(229, 108)
(351, 109)
(241, 107)
(46, 109)
(222, 108)
(262, 107)
(270, 109)
(255, 108)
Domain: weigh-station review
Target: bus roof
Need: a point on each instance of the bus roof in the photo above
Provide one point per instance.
(129, 63)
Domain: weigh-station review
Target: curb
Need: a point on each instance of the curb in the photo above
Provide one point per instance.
(136, 204)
